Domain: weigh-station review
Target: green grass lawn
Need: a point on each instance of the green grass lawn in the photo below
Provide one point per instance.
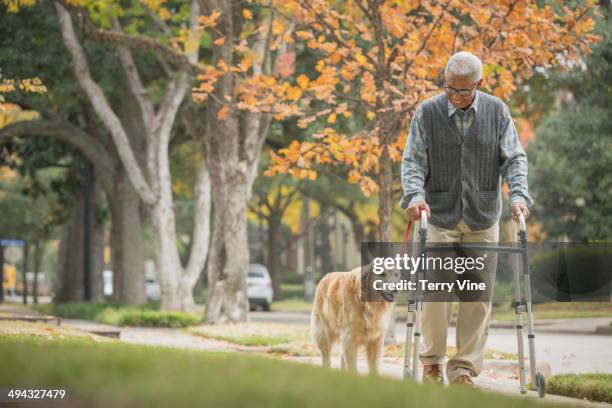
(292, 290)
(594, 387)
(253, 334)
(295, 340)
(288, 291)
(293, 299)
(15, 329)
(561, 310)
(292, 305)
(121, 375)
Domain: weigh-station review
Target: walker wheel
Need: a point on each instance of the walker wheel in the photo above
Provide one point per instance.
(540, 384)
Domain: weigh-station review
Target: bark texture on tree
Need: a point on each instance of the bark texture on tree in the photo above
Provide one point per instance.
(229, 257)
(127, 246)
(232, 148)
(229, 254)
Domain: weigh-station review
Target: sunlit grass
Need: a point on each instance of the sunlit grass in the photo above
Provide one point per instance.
(115, 374)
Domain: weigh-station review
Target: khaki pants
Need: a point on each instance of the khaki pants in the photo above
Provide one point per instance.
(472, 318)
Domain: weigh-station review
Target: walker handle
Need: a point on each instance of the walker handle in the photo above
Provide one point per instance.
(423, 219)
(522, 226)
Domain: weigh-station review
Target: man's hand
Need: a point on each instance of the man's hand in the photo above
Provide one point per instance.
(517, 209)
(414, 211)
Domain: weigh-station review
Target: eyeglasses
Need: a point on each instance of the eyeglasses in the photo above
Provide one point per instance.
(461, 92)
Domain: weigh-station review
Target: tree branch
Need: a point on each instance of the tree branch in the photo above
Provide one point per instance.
(158, 21)
(102, 107)
(201, 229)
(427, 36)
(140, 42)
(135, 83)
(175, 90)
(67, 133)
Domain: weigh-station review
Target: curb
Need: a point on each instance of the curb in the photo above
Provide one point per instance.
(604, 330)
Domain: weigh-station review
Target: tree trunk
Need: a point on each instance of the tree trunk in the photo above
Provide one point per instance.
(127, 247)
(385, 197)
(97, 244)
(325, 248)
(273, 262)
(358, 230)
(177, 281)
(385, 226)
(38, 254)
(169, 266)
(26, 248)
(229, 256)
(70, 260)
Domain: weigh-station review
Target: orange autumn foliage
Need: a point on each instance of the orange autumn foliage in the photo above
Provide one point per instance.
(376, 61)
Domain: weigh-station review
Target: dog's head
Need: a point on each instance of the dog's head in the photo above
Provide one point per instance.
(376, 278)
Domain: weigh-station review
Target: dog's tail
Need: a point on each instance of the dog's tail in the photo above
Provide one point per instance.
(314, 325)
(317, 323)
(319, 335)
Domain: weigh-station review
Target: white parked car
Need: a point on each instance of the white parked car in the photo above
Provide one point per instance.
(259, 287)
(107, 277)
(152, 290)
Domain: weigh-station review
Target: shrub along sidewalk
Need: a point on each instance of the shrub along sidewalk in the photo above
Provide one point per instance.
(118, 315)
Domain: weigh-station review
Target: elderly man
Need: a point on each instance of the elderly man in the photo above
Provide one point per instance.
(462, 143)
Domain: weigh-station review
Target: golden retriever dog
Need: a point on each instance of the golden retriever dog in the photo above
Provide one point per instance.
(339, 313)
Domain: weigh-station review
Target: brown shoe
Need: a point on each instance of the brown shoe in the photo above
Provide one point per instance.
(433, 373)
(464, 380)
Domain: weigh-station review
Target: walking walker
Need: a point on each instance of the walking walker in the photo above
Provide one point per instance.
(521, 262)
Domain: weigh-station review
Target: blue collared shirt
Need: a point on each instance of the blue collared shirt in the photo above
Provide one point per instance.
(415, 166)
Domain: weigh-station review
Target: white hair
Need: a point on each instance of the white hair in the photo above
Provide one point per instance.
(464, 63)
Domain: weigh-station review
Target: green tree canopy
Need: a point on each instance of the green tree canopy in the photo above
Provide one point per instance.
(571, 157)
